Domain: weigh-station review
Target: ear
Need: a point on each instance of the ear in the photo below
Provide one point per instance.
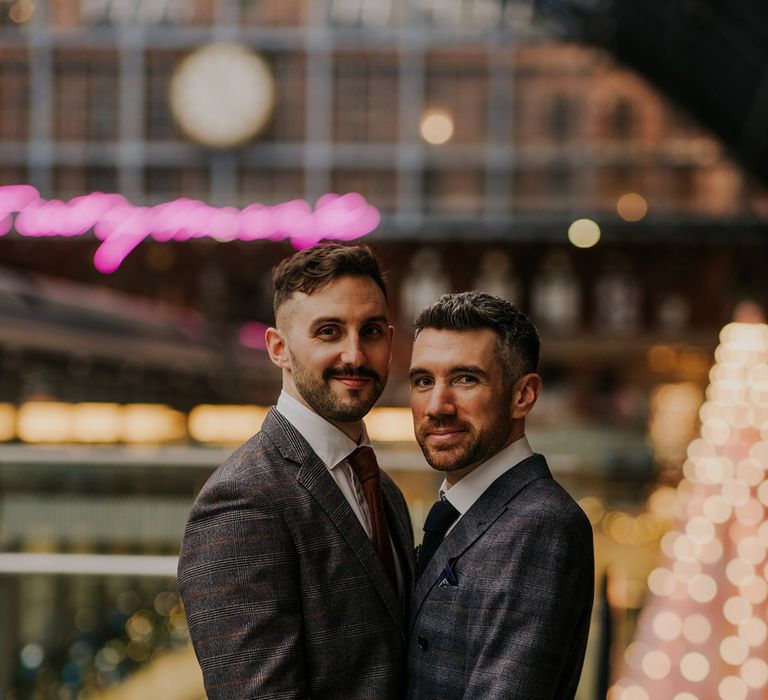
(277, 348)
(527, 390)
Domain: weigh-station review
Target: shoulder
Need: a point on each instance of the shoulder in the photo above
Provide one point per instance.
(545, 509)
(258, 468)
(254, 457)
(554, 500)
(245, 493)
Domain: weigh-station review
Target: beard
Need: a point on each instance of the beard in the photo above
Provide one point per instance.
(474, 446)
(332, 402)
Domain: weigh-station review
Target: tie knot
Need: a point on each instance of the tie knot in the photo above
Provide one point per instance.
(441, 516)
(364, 464)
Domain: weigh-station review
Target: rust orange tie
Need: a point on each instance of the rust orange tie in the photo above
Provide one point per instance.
(364, 464)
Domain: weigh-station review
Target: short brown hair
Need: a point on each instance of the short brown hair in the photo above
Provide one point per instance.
(313, 268)
(518, 339)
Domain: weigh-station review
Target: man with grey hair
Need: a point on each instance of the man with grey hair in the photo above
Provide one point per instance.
(503, 601)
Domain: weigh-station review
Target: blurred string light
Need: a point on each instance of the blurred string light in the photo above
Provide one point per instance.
(225, 424)
(56, 422)
(688, 360)
(235, 424)
(7, 422)
(706, 612)
(662, 358)
(436, 126)
(634, 530)
(673, 419)
(584, 233)
(98, 423)
(121, 226)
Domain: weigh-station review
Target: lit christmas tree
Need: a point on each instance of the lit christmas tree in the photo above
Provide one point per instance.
(702, 633)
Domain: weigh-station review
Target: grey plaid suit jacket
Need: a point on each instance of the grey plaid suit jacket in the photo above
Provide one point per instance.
(503, 608)
(283, 590)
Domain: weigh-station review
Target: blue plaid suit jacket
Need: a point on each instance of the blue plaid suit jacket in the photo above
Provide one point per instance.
(283, 590)
(503, 608)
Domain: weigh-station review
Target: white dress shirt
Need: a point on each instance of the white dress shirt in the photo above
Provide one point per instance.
(333, 447)
(463, 494)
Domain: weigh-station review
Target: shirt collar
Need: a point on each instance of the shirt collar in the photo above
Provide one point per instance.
(463, 494)
(328, 442)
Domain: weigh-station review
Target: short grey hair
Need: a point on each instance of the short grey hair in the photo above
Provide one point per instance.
(518, 339)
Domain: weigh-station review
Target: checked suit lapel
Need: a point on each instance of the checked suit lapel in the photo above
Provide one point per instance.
(497, 498)
(402, 537)
(314, 477)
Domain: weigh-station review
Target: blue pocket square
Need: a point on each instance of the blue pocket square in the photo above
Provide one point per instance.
(448, 577)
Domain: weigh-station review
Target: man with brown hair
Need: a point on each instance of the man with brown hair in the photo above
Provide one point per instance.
(297, 562)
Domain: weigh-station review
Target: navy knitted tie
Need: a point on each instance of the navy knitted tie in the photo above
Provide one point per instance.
(441, 516)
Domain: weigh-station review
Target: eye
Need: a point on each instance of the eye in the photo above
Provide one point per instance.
(421, 382)
(372, 331)
(327, 332)
(466, 379)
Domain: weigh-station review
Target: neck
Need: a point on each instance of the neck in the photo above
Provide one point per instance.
(352, 429)
(451, 478)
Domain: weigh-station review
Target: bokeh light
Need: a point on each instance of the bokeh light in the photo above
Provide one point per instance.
(711, 552)
(753, 631)
(656, 664)
(633, 692)
(697, 628)
(736, 610)
(661, 581)
(21, 11)
(32, 655)
(732, 688)
(702, 588)
(755, 590)
(739, 572)
(694, 666)
(754, 672)
(734, 650)
(700, 530)
(584, 233)
(717, 509)
(632, 207)
(667, 625)
(436, 126)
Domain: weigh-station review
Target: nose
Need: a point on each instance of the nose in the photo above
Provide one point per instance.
(352, 352)
(440, 402)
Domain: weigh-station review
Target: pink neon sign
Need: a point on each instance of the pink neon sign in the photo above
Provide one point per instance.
(121, 226)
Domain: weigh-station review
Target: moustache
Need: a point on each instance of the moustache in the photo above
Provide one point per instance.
(348, 372)
(432, 424)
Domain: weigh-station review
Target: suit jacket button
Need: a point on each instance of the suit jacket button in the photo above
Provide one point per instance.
(423, 642)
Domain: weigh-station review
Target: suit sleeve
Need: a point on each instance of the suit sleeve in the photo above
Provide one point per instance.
(239, 581)
(535, 633)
